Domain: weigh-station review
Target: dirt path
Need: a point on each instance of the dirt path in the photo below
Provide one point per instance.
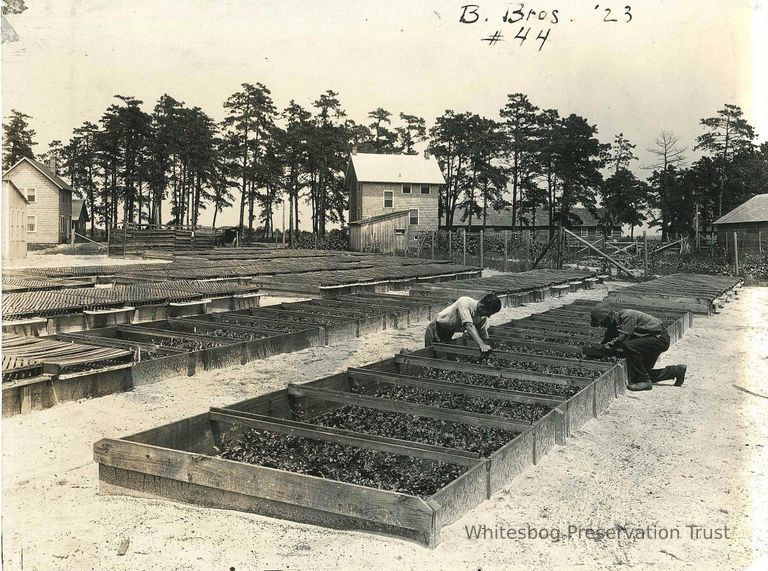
(665, 459)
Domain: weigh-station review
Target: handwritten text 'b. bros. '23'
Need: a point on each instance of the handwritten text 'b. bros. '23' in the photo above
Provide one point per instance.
(525, 18)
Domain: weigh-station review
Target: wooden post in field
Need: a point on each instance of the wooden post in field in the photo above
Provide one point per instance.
(736, 251)
(759, 241)
(645, 255)
(433, 244)
(506, 248)
(698, 239)
(464, 233)
(125, 238)
(481, 248)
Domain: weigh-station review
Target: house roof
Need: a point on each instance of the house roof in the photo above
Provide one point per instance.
(380, 217)
(78, 207)
(753, 210)
(371, 167)
(503, 217)
(16, 188)
(55, 179)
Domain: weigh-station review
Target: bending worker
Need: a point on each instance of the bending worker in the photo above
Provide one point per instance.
(641, 338)
(465, 314)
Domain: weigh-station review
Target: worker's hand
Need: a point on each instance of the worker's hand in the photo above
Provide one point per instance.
(485, 348)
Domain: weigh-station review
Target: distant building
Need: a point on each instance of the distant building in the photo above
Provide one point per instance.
(750, 224)
(391, 196)
(14, 233)
(79, 216)
(583, 224)
(49, 198)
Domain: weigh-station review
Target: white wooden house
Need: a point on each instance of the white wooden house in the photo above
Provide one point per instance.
(49, 198)
(14, 233)
(391, 195)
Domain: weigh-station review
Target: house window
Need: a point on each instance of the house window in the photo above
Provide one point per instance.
(399, 231)
(389, 199)
(413, 216)
(62, 224)
(31, 195)
(584, 232)
(31, 223)
(406, 189)
(610, 232)
(424, 189)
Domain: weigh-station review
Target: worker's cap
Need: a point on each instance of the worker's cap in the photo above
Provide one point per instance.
(599, 314)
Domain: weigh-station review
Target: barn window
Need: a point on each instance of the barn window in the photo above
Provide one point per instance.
(389, 199)
(424, 189)
(406, 189)
(32, 223)
(413, 216)
(31, 195)
(399, 231)
(584, 231)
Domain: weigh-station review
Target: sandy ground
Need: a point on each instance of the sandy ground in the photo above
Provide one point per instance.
(664, 459)
(48, 260)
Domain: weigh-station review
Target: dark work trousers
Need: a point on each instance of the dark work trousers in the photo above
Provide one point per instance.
(437, 333)
(642, 353)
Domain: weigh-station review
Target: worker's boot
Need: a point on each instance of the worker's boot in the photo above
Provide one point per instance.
(666, 374)
(680, 375)
(641, 386)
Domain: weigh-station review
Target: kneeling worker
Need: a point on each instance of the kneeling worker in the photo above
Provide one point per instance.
(641, 338)
(465, 314)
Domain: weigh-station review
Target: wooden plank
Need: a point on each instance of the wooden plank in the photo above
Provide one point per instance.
(510, 460)
(511, 356)
(277, 485)
(346, 437)
(491, 371)
(464, 493)
(406, 407)
(451, 387)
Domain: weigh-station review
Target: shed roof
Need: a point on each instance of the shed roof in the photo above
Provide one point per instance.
(381, 217)
(55, 179)
(503, 217)
(753, 210)
(371, 167)
(16, 188)
(78, 208)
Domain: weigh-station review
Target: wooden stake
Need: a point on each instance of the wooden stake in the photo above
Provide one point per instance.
(506, 248)
(645, 255)
(464, 233)
(433, 244)
(482, 239)
(736, 251)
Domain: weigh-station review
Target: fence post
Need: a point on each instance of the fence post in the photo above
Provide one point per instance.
(759, 241)
(645, 255)
(482, 265)
(433, 244)
(736, 251)
(450, 239)
(506, 248)
(125, 238)
(464, 234)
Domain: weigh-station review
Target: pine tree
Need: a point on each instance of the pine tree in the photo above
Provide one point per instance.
(18, 139)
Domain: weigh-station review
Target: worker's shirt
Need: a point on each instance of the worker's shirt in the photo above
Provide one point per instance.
(633, 324)
(462, 311)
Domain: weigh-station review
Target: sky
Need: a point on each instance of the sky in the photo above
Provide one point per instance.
(673, 63)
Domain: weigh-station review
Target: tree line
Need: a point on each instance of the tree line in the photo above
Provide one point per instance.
(132, 162)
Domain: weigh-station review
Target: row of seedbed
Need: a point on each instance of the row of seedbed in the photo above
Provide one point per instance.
(311, 322)
(530, 371)
(415, 426)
